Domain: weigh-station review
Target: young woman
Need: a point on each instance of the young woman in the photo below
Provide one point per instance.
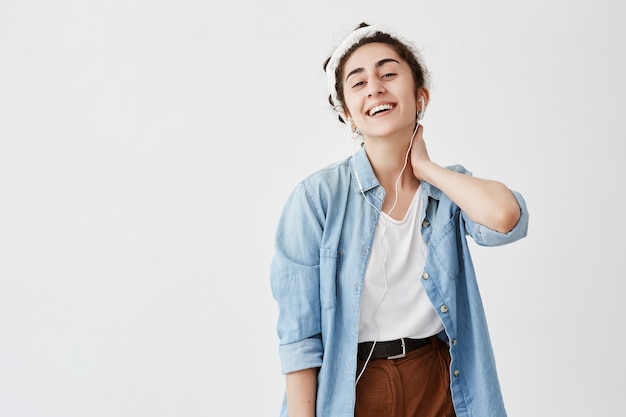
(379, 309)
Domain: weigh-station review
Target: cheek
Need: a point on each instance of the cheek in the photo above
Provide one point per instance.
(351, 105)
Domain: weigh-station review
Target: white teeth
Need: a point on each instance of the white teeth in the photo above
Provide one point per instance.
(382, 107)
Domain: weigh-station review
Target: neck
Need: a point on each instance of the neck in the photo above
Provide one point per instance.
(387, 156)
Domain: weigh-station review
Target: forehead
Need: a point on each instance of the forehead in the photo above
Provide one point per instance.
(369, 54)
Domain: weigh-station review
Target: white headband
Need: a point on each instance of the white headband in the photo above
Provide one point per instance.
(351, 40)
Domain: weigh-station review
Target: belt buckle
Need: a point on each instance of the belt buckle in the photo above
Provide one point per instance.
(401, 355)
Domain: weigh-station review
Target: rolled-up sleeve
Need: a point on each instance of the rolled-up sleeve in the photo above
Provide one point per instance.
(485, 236)
(295, 279)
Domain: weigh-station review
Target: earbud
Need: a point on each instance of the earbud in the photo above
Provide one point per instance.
(420, 112)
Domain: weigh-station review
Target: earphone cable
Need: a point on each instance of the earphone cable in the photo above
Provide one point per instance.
(384, 241)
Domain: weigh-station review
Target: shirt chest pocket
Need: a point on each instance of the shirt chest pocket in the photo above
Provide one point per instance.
(447, 249)
(329, 270)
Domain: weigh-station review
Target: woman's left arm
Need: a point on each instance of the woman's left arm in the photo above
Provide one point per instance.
(487, 202)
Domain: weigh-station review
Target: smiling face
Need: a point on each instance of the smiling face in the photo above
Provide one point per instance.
(379, 91)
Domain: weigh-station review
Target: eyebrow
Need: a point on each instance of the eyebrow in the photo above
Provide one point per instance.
(378, 65)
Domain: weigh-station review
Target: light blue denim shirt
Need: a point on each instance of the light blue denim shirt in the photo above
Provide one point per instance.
(323, 242)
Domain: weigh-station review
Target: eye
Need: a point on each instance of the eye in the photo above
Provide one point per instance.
(358, 84)
(389, 75)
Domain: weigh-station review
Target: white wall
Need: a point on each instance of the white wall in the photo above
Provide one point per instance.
(146, 149)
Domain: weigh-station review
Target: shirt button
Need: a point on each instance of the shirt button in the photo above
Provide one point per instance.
(426, 223)
(453, 342)
(425, 275)
(444, 309)
(457, 373)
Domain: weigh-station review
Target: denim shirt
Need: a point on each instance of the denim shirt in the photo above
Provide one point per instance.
(323, 242)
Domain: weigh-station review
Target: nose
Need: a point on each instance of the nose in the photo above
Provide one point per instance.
(375, 86)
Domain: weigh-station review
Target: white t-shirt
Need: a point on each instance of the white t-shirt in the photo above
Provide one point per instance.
(405, 310)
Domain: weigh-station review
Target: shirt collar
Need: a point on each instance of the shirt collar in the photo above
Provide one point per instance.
(362, 172)
(430, 191)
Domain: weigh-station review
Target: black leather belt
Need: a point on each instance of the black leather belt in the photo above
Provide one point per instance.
(394, 349)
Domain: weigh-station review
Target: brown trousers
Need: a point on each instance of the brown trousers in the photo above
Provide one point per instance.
(417, 385)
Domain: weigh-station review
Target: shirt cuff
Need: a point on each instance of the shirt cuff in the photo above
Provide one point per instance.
(301, 355)
(487, 237)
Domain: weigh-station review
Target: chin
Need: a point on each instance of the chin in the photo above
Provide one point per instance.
(381, 133)
(391, 129)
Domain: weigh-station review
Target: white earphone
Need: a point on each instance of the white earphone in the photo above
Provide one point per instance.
(420, 112)
(420, 116)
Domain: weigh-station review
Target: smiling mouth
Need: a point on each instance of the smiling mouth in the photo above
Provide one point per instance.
(380, 109)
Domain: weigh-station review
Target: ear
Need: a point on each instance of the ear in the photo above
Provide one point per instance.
(426, 94)
(350, 123)
(346, 118)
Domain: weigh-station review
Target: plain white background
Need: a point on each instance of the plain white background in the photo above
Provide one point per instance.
(147, 148)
